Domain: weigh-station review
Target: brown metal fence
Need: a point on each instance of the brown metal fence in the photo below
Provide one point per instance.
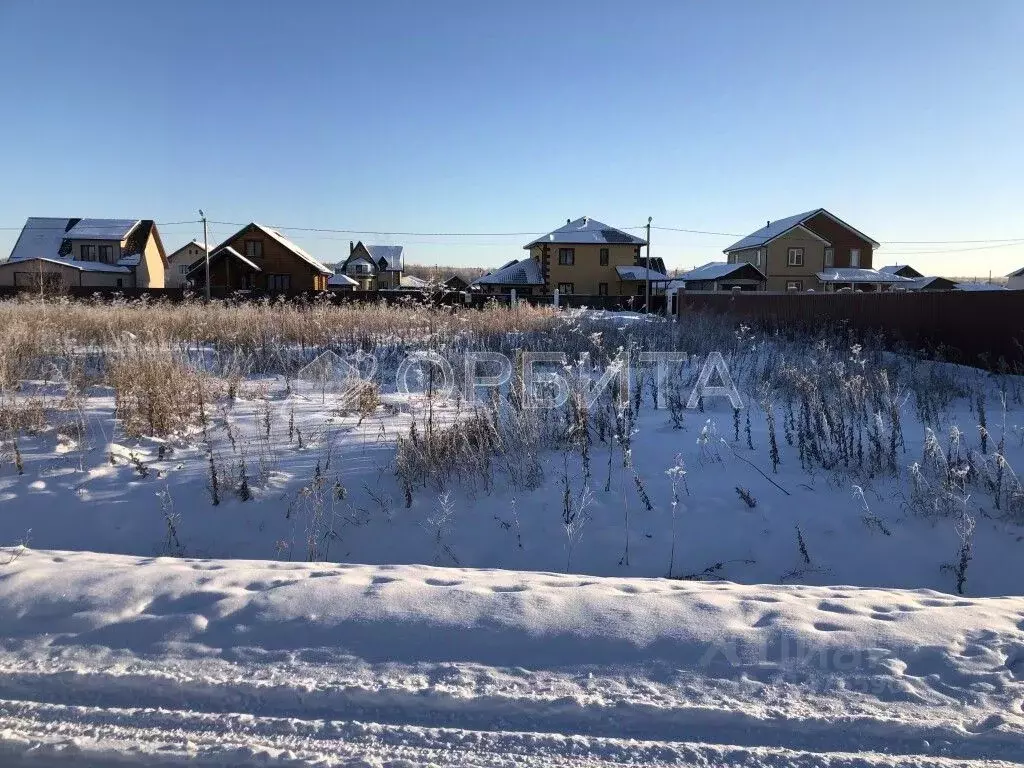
(974, 327)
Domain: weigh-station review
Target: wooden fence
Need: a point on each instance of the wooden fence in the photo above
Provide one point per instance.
(973, 327)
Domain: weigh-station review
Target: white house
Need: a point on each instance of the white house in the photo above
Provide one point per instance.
(1015, 280)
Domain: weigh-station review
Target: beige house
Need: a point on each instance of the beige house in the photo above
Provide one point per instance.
(591, 258)
(814, 250)
(178, 263)
(58, 253)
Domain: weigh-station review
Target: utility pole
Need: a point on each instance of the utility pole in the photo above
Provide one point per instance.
(648, 275)
(206, 248)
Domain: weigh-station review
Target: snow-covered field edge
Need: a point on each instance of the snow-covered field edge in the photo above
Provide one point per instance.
(109, 658)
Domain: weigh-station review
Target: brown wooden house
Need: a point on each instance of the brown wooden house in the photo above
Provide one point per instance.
(262, 259)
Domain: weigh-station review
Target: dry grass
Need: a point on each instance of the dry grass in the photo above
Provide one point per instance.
(30, 329)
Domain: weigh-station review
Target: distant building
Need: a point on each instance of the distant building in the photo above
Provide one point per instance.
(375, 267)
(1015, 280)
(179, 262)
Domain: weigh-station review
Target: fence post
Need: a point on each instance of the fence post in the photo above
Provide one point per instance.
(512, 298)
(554, 297)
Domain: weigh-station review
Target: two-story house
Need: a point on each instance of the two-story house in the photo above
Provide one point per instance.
(812, 250)
(58, 253)
(375, 267)
(262, 259)
(179, 262)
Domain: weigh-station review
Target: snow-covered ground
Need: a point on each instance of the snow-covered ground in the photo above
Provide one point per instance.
(107, 660)
(268, 589)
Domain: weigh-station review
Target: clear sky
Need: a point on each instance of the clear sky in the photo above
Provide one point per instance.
(903, 117)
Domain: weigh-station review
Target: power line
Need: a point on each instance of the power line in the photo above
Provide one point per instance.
(403, 234)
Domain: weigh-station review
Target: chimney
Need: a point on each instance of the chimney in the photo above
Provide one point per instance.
(769, 223)
(568, 221)
(351, 247)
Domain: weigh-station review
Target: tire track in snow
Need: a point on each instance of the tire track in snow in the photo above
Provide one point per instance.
(51, 736)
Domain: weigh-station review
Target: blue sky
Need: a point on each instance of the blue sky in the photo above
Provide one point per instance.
(904, 118)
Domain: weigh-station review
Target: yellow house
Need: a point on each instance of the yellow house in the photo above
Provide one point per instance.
(591, 258)
(56, 253)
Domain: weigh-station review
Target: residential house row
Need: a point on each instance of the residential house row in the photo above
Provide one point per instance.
(810, 251)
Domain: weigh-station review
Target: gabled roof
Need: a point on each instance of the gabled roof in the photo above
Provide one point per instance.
(135, 245)
(780, 227)
(716, 270)
(639, 273)
(904, 270)
(391, 254)
(195, 242)
(284, 241)
(102, 229)
(1017, 273)
(773, 230)
(921, 283)
(587, 231)
(525, 272)
(221, 253)
(41, 236)
(860, 275)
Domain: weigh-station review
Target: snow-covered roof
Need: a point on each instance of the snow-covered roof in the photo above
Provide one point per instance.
(980, 287)
(892, 268)
(772, 230)
(41, 236)
(411, 281)
(102, 229)
(392, 255)
(586, 231)
(639, 273)
(714, 270)
(860, 275)
(780, 227)
(293, 248)
(226, 250)
(132, 260)
(1017, 273)
(525, 272)
(81, 266)
(341, 279)
(919, 283)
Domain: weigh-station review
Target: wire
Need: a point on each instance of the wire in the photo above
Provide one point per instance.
(404, 234)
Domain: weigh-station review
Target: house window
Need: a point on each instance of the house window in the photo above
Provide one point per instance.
(602, 288)
(830, 257)
(794, 285)
(855, 257)
(759, 252)
(87, 252)
(107, 254)
(279, 282)
(567, 256)
(254, 249)
(604, 257)
(120, 281)
(566, 287)
(796, 257)
(183, 269)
